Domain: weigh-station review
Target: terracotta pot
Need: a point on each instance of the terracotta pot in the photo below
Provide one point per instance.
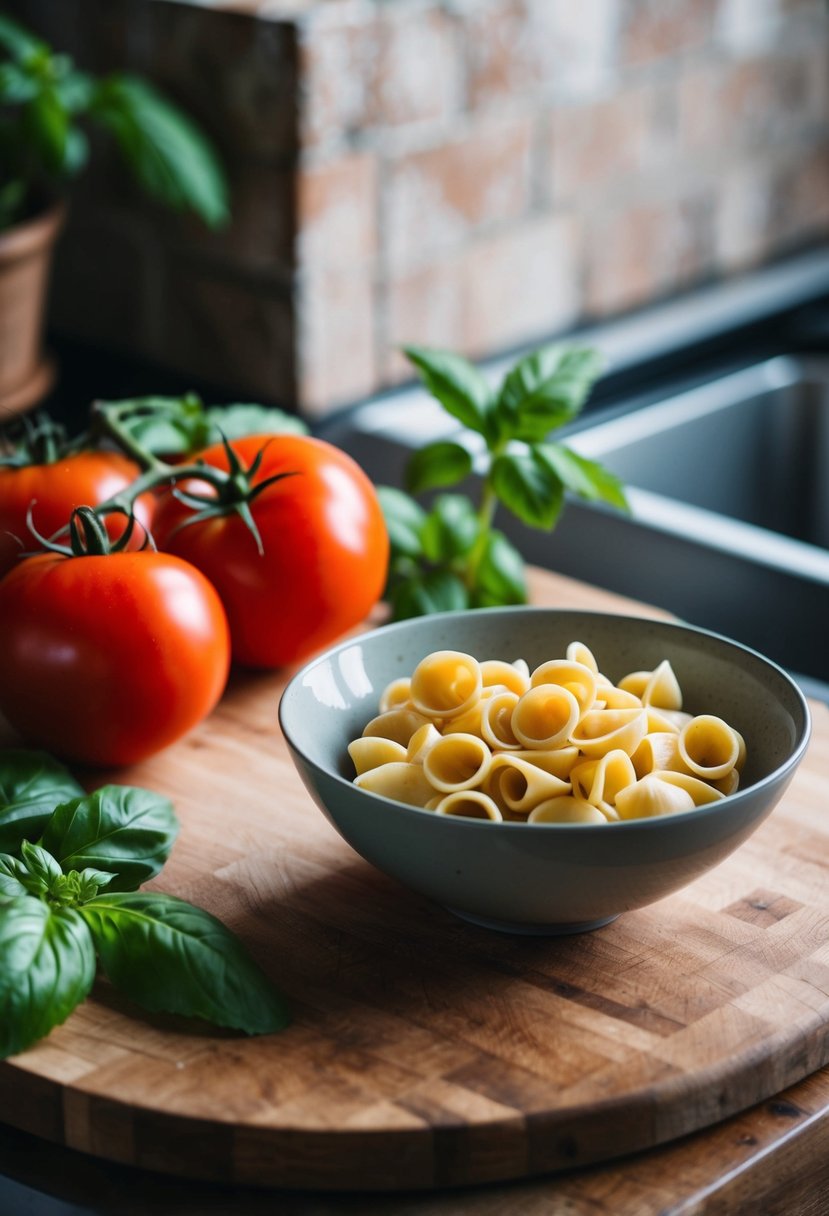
(25, 262)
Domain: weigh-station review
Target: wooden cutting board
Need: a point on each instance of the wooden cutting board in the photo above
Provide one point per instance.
(426, 1052)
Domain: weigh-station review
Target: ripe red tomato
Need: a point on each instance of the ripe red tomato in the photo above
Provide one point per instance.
(107, 659)
(325, 548)
(82, 479)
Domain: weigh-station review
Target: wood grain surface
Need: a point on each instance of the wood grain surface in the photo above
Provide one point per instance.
(426, 1052)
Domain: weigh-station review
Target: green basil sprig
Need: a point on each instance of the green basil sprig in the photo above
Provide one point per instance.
(68, 891)
(450, 556)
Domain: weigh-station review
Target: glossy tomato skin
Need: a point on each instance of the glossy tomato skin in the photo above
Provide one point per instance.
(326, 549)
(108, 659)
(82, 479)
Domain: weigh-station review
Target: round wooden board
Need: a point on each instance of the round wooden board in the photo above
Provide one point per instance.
(424, 1051)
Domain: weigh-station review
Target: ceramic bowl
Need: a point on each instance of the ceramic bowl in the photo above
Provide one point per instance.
(544, 878)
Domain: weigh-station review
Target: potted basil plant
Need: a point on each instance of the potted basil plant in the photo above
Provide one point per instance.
(47, 108)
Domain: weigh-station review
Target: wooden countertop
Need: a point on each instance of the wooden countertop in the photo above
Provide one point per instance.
(770, 1158)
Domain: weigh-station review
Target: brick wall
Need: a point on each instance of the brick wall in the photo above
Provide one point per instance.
(470, 173)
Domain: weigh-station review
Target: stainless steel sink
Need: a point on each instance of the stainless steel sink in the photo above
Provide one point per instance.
(729, 489)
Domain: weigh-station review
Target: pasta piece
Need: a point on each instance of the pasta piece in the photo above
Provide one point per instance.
(557, 760)
(434, 803)
(457, 762)
(545, 716)
(658, 750)
(635, 682)
(605, 730)
(370, 752)
(709, 747)
(446, 684)
(401, 781)
(600, 781)
(701, 792)
(575, 677)
(396, 694)
(469, 804)
(617, 698)
(663, 719)
(566, 809)
(496, 671)
(662, 690)
(421, 742)
(577, 652)
(728, 784)
(652, 796)
(396, 724)
(469, 723)
(496, 721)
(521, 786)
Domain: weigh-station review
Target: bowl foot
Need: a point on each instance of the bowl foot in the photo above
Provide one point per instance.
(528, 928)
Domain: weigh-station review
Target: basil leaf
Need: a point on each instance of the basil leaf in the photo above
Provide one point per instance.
(456, 383)
(48, 965)
(77, 887)
(119, 829)
(546, 389)
(49, 128)
(404, 519)
(31, 786)
(582, 476)
(436, 465)
(19, 42)
(17, 85)
(500, 576)
(170, 956)
(435, 591)
(451, 528)
(165, 151)
(170, 426)
(237, 421)
(41, 865)
(528, 488)
(13, 877)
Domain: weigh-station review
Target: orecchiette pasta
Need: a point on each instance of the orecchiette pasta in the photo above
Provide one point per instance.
(495, 742)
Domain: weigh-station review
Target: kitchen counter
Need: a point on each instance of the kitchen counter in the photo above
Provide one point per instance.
(771, 1158)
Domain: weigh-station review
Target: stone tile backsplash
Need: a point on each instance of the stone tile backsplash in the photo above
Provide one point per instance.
(469, 173)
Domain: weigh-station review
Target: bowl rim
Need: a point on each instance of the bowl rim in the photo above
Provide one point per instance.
(651, 823)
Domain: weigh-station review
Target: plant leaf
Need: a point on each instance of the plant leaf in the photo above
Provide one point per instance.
(17, 85)
(546, 389)
(41, 865)
(435, 591)
(168, 426)
(404, 519)
(239, 420)
(451, 528)
(500, 576)
(528, 488)
(438, 464)
(167, 154)
(48, 969)
(581, 476)
(456, 383)
(170, 956)
(15, 879)
(48, 126)
(32, 784)
(18, 41)
(122, 830)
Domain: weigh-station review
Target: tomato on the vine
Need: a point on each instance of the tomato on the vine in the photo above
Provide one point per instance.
(53, 490)
(107, 659)
(324, 546)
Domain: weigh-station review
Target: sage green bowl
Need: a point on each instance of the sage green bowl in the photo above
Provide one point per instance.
(543, 878)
